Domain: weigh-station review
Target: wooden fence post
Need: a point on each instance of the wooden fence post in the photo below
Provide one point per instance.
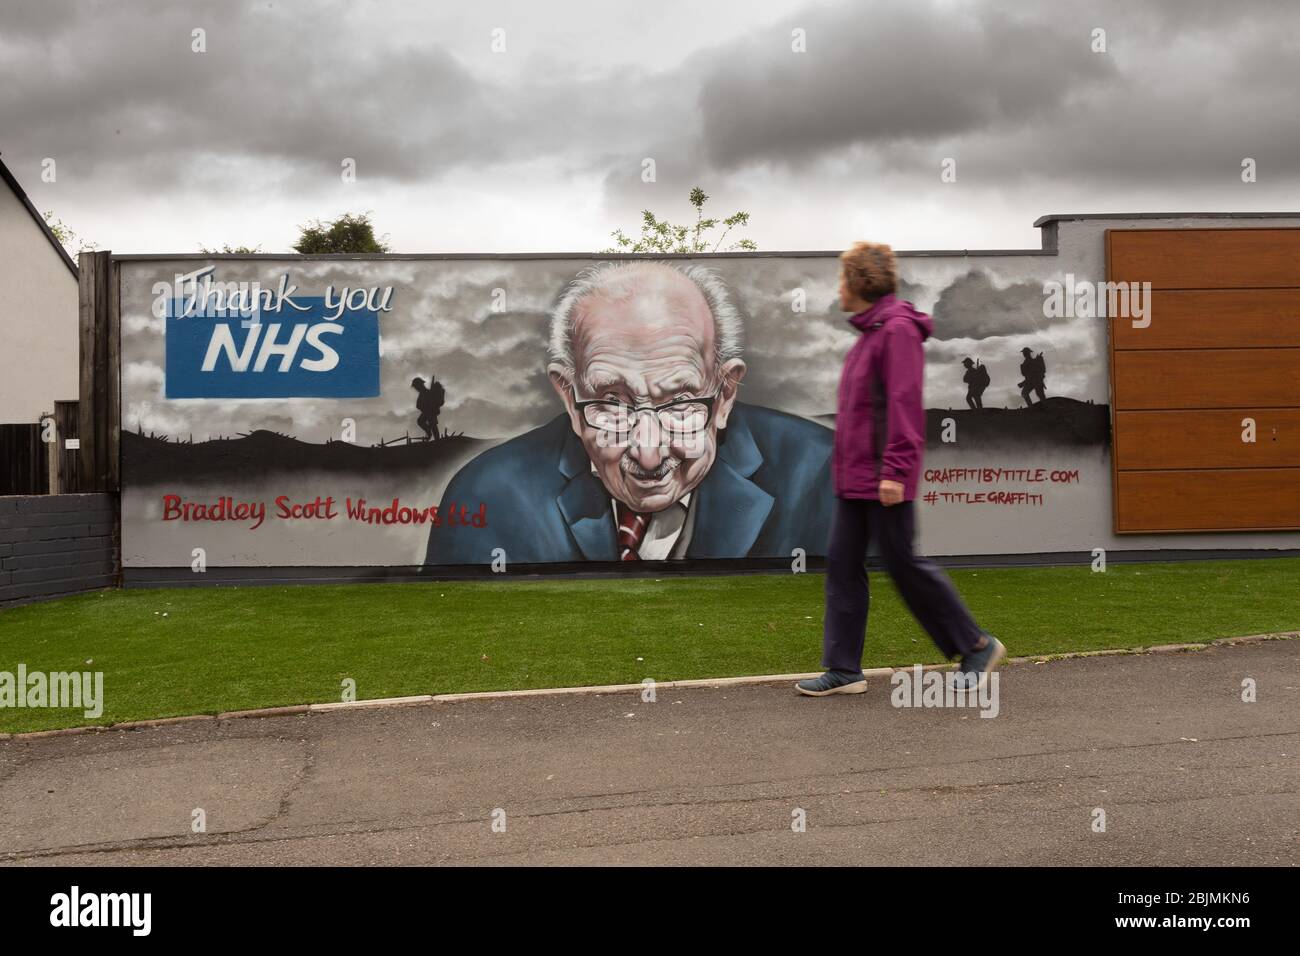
(67, 425)
(50, 423)
(98, 409)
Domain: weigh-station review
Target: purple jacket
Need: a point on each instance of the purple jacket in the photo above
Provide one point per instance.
(880, 419)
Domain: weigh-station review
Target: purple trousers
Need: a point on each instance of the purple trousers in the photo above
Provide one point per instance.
(925, 589)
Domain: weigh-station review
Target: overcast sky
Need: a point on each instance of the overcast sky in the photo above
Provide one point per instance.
(540, 147)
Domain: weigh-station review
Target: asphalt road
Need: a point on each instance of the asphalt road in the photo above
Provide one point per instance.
(1185, 772)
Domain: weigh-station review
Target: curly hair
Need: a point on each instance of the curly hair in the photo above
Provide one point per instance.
(869, 270)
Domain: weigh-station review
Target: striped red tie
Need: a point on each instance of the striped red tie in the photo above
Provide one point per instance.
(631, 529)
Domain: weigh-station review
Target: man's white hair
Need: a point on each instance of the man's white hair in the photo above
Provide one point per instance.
(728, 327)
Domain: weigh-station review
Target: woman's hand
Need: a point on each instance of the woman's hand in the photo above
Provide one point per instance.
(891, 492)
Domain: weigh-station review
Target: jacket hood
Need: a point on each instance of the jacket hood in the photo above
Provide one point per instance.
(891, 308)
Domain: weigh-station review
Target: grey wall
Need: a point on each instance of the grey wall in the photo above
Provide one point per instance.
(54, 545)
(446, 320)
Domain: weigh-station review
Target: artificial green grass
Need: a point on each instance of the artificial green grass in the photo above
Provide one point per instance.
(219, 649)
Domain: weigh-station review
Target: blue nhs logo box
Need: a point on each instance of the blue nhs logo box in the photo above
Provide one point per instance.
(315, 348)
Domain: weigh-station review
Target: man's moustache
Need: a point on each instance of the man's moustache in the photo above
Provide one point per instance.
(630, 466)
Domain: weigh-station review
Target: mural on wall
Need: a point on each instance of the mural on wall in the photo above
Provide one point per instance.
(449, 412)
(653, 456)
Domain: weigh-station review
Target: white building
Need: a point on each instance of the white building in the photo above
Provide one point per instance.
(38, 311)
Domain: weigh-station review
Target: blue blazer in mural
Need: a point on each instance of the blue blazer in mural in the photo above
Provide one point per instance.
(767, 493)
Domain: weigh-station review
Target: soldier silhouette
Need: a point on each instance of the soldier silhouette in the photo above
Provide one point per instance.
(429, 404)
(1033, 371)
(976, 379)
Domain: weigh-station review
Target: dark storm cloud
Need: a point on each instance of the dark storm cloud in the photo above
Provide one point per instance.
(1012, 93)
(895, 71)
(124, 86)
(1015, 94)
(1199, 90)
(973, 307)
(289, 84)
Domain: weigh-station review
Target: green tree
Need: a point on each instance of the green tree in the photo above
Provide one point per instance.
(348, 233)
(228, 250)
(659, 235)
(67, 238)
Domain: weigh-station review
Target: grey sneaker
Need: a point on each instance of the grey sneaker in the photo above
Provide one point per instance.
(975, 667)
(833, 682)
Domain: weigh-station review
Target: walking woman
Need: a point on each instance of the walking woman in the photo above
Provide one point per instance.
(875, 468)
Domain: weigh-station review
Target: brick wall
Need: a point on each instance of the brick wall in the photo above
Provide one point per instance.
(52, 545)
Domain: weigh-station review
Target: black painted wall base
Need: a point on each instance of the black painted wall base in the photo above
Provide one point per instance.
(216, 577)
(52, 546)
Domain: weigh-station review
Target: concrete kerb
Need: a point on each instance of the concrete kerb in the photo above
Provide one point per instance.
(756, 680)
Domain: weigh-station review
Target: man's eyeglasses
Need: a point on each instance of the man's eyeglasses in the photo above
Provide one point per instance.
(683, 417)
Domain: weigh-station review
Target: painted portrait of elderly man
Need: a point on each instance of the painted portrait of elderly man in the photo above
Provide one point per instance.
(654, 457)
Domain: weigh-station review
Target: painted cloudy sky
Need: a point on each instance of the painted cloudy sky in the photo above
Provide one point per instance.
(539, 147)
(492, 363)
